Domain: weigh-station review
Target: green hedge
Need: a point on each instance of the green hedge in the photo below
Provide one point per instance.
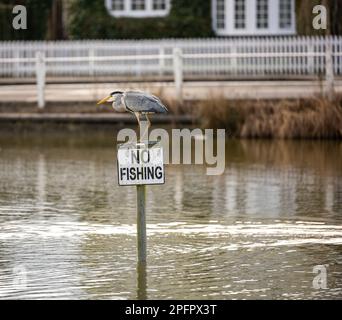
(37, 17)
(89, 19)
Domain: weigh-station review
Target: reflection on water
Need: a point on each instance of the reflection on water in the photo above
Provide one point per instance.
(255, 232)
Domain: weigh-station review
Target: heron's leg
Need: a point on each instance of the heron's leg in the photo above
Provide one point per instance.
(148, 121)
(147, 127)
(137, 115)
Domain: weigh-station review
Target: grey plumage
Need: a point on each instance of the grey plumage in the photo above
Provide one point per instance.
(136, 102)
(141, 102)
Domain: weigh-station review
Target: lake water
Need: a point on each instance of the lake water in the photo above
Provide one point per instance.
(257, 232)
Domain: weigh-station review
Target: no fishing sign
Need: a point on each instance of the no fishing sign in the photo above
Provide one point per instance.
(140, 165)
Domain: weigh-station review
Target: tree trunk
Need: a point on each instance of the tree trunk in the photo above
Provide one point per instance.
(56, 25)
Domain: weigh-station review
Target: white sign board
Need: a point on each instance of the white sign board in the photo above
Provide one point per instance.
(139, 166)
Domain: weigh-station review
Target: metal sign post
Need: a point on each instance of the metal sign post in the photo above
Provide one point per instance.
(141, 215)
(139, 165)
(141, 223)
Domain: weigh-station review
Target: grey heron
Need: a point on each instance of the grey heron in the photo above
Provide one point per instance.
(136, 102)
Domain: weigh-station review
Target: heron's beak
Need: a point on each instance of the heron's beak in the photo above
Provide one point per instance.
(104, 100)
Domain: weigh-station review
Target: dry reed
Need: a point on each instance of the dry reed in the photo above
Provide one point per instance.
(303, 119)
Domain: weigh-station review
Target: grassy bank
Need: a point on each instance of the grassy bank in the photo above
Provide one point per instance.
(315, 118)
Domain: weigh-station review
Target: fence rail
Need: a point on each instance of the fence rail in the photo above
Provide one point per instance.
(205, 58)
(234, 57)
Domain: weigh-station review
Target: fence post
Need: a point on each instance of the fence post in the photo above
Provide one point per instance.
(16, 64)
(91, 55)
(233, 59)
(311, 59)
(40, 77)
(178, 73)
(329, 69)
(161, 60)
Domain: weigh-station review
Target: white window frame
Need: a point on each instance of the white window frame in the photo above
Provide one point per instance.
(214, 6)
(251, 20)
(267, 20)
(148, 12)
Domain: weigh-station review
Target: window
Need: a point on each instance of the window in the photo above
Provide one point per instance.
(138, 8)
(253, 17)
(117, 5)
(285, 14)
(138, 4)
(262, 14)
(220, 14)
(240, 14)
(159, 4)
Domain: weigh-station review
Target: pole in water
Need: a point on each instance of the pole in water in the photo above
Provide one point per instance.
(141, 281)
(141, 223)
(141, 207)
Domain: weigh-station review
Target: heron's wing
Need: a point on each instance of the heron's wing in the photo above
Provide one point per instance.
(142, 102)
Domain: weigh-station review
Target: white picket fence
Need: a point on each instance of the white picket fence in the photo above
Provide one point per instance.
(270, 57)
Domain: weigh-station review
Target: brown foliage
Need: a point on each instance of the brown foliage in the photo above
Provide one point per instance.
(302, 119)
